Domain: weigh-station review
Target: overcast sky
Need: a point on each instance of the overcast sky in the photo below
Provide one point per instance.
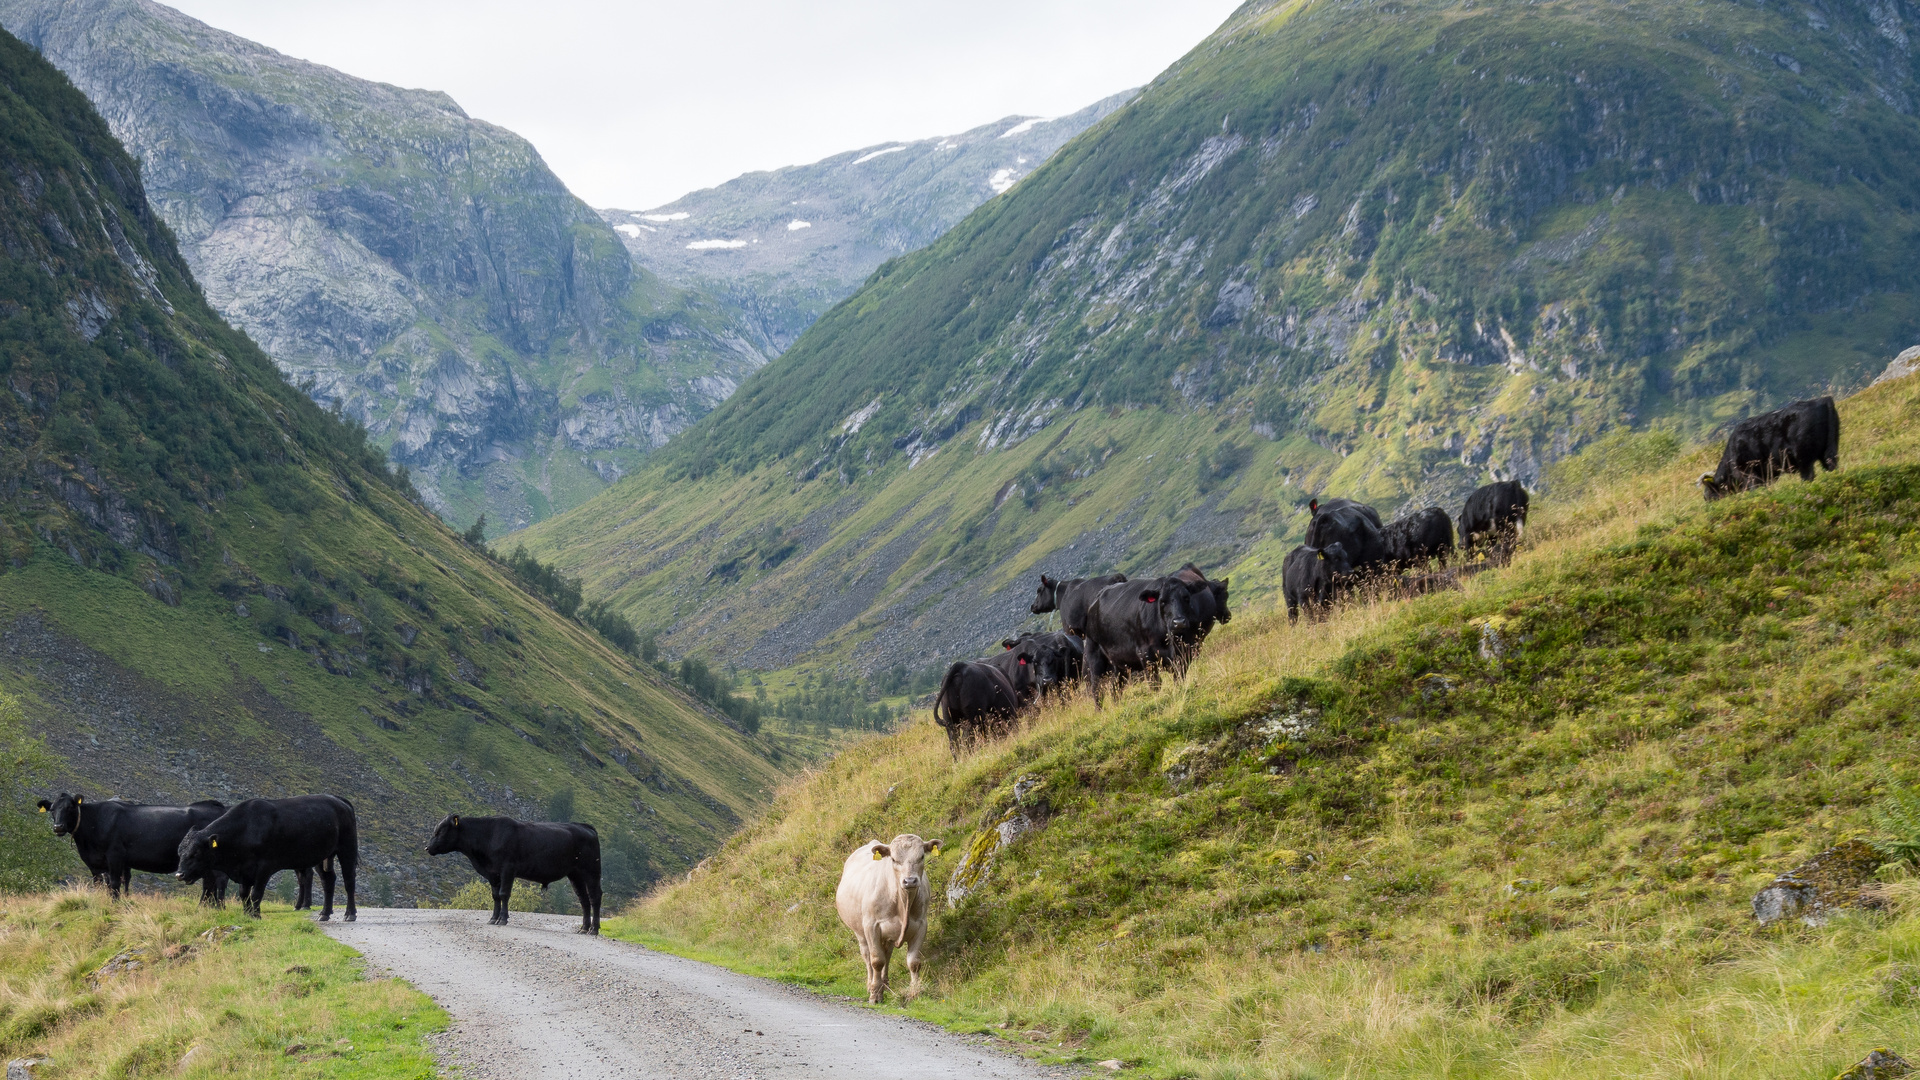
(637, 103)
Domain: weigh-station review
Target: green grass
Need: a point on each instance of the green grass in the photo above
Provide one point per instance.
(1532, 862)
(267, 999)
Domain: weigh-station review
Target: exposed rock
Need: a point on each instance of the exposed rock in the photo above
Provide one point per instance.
(976, 861)
(1881, 1064)
(1826, 882)
(23, 1068)
(1902, 366)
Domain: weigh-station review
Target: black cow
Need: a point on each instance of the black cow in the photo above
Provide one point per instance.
(1355, 527)
(1494, 518)
(1419, 538)
(1762, 448)
(1209, 607)
(1312, 577)
(502, 849)
(1134, 626)
(977, 697)
(115, 838)
(1070, 598)
(1050, 659)
(260, 837)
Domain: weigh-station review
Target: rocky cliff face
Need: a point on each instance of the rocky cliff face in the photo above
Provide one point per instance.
(776, 249)
(423, 270)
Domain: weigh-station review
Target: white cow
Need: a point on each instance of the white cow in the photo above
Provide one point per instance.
(883, 900)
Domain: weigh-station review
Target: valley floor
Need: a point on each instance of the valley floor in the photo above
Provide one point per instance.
(1507, 831)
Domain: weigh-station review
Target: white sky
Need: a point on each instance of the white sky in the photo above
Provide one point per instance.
(634, 104)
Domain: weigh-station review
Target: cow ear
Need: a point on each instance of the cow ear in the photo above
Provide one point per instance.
(1323, 556)
(1313, 506)
(456, 820)
(881, 851)
(933, 847)
(44, 805)
(78, 799)
(1150, 595)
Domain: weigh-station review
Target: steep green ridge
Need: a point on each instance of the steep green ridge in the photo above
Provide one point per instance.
(1377, 250)
(420, 268)
(776, 249)
(1508, 831)
(211, 587)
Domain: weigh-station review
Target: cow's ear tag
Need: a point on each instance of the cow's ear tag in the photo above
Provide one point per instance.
(456, 819)
(43, 808)
(877, 856)
(936, 847)
(77, 800)
(214, 843)
(1323, 556)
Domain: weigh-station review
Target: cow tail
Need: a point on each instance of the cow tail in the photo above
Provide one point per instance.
(943, 702)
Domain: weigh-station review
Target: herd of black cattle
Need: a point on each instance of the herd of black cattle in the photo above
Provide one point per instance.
(248, 843)
(1109, 625)
(1113, 626)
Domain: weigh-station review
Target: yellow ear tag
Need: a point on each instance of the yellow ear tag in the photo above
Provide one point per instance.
(43, 809)
(216, 843)
(936, 849)
(456, 821)
(877, 856)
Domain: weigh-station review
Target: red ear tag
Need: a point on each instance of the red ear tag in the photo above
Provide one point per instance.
(1148, 599)
(1023, 661)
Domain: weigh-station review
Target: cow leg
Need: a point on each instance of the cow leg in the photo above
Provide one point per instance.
(914, 962)
(303, 898)
(326, 889)
(257, 892)
(1095, 662)
(579, 882)
(349, 871)
(502, 896)
(113, 881)
(879, 958)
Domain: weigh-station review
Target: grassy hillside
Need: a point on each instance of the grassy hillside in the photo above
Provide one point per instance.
(160, 987)
(1375, 251)
(1508, 831)
(211, 588)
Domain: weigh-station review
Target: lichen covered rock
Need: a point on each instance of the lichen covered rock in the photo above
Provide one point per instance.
(1828, 881)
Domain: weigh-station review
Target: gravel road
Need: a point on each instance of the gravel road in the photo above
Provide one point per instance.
(535, 999)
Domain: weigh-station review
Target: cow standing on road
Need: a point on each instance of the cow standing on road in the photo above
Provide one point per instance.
(261, 837)
(883, 898)
(502, 849)
(1071, 599)
(115, 838)
(1763, 448)
(1494, 518)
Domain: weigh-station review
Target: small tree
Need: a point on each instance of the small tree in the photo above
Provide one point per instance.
(476, 535)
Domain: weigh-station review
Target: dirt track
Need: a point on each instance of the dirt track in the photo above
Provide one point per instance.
(535, 999)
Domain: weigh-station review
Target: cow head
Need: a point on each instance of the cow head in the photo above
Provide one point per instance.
(197, 850)
(446, 836)
(1335, 561)
(65, 811)
(1042, 665)
(1710, 486)
(905, 861)
(1175, 603)
(1045, 598)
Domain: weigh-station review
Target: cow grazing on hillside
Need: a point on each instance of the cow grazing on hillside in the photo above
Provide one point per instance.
(1355, 527)
(1209, 607)
(1419, 538)
(1311, 578)
(115, 838)
(260, 837)
(1763, 448)
(883, 898)
(1134, 626)
(975, 698)
(502, 849)
(1070, 598)
(1494, 519)
(1051, 660)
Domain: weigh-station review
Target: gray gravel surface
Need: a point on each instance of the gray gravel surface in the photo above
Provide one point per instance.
(536, 999)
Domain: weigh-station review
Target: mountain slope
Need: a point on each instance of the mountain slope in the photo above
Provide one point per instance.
(779, 248)
(209, 587)
(422, 269)
(1509, 831)
(1382, 252)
